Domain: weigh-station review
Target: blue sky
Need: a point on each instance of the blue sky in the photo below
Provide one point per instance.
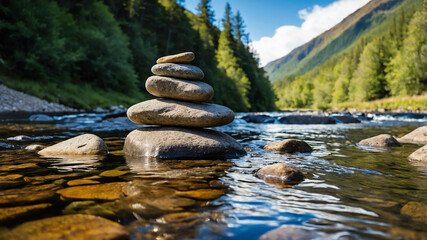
(278, 26)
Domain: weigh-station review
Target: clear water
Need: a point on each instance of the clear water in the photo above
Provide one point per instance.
(349, 192)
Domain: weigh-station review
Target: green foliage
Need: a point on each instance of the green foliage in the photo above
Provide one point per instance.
(391, 63)
(408, 69)
(107, 47)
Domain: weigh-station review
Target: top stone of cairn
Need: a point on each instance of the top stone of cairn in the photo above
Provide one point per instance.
(184, 57)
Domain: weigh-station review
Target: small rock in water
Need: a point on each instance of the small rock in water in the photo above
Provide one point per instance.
(289, 146)
(34, 147)
(12, 213)
(184, 71)
(382, 140)
(71, 227)
(177, 58)
(280, 173)
(177, 113)
(18, 138)
(41, 118)
(104, 192)
(179, 89)
(86, 144)
(174, 142)
(418, 136)
(419, 155)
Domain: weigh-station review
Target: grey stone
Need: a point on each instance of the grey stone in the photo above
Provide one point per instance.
(179, 89)
(177, 58)
(346, 119)
(184, 71)
(178, 113)
(86, 144)
(419, 155)
(258, 118)
(175, 142)
(382, 140)
(418, 136)
(281, 172)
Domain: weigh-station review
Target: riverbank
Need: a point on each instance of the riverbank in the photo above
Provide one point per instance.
(15, 101)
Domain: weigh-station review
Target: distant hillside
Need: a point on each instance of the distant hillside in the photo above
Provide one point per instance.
(372, 19)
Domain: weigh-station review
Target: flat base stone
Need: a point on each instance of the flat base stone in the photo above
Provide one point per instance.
(179, 143)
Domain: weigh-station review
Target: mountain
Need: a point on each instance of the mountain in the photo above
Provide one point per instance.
(372, 19)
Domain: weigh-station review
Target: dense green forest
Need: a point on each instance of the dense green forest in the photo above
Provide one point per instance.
(393, 63)
(89, 53)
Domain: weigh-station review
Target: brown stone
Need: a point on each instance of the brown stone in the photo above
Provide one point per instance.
(177, 58)
(79, 182)
(203, 194)
(289, 146)
(70, 227)
(281, 172)
(174, 142)
(17, 196)
(179, 89)
(184, 71)
(7, 168)
(416, 210)
(383, 140)
(86, 144)
(113, 173)
(419, 155)
(104, 192)
(169, 112)
(418, 136)
(12, 213)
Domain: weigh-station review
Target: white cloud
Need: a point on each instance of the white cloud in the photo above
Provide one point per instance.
(316, 21)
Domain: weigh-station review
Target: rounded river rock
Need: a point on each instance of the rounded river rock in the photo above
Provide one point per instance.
(86, 144)
(185, 71)
(177, 113)
(175, 142)
(179, 89)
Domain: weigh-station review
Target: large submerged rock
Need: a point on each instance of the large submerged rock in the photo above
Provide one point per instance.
(169, 112)
(418, 136)
(175, 142)
(86, 144)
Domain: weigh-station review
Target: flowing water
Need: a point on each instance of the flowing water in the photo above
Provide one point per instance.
(350, 192)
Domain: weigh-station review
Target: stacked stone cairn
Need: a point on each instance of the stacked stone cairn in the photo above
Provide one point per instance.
(181, 113)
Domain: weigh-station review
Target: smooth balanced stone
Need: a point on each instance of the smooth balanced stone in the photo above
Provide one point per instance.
(185, 71)
(382, 140)
(289, 146)
(86, 144)
(175, 142)
(177, 113)
(70, 227)
(418, 136)
(177, 58)
(179, 89)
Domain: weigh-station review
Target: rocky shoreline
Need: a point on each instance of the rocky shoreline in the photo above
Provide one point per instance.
(15, 101)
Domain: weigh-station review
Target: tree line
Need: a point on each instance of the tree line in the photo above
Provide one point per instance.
(392, 64)
(112, 45)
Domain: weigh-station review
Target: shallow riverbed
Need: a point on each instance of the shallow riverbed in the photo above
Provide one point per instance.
(350, 192)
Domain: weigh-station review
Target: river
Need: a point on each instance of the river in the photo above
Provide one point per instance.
(350, 192)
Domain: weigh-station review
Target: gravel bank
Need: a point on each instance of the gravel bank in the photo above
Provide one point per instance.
(15, 101)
